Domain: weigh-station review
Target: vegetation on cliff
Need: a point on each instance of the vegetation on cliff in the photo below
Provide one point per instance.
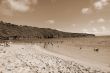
(12, 31)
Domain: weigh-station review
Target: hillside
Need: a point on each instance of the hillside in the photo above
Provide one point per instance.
(12, 31)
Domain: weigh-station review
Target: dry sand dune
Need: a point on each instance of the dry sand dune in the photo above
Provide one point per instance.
(30, 58)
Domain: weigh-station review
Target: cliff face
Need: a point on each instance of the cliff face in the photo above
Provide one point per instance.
(11, 31)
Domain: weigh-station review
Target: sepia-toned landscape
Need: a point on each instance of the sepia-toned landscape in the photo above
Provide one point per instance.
(54, 36)
(81, 53)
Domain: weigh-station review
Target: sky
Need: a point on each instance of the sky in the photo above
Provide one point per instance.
(77, 16)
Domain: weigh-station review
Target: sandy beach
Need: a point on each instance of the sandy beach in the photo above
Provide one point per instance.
(32, 58)
(54, 36)
(83, 49)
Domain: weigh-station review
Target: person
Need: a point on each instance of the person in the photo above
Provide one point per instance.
(6, 44)
(96, 49)
(80, 48)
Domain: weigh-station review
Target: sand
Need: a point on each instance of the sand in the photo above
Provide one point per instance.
(32, 58)
(83, 49)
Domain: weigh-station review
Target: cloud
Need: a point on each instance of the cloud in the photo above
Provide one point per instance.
(95, 30)
(101, 31)
(97, 4)
(17, 5)
(101, 20)
(103, 28)
(21, 6)
(100, 4)
(50, 21)
(86, 10)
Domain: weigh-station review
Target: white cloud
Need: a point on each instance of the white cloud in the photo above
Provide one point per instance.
(86, 11)
(17, 5)
(95, 30)
(101, 20)
(103, 28)
(105, 2)
(101, 31)
(97, 21)
(51, 21)
(100, 4)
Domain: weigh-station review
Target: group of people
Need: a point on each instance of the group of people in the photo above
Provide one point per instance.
(95, 49)
(5, 44)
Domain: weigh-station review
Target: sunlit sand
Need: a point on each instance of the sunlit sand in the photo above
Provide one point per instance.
(55, 56)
